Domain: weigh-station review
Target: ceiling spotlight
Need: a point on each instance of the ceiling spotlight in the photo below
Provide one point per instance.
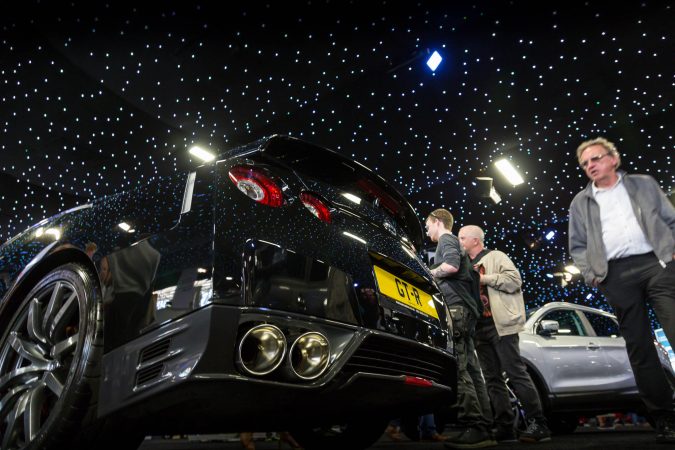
(494, 195)
(483, 186)
(434, 60)
(550, 235)
(510, 172)
(125, 226)
(202, 154)
(572, 269)
(485, 189)
(563, 278)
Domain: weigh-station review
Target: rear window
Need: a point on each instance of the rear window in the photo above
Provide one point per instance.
(324, 165)
(349, 178)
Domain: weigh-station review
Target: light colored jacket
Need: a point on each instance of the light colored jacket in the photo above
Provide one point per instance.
(504, 283)
(653, 211)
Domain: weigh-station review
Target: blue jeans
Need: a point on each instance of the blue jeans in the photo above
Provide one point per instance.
(427, 426)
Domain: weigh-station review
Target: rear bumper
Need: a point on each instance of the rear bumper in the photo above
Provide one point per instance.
(184, 375)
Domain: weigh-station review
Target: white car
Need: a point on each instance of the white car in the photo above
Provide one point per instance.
(579, 364)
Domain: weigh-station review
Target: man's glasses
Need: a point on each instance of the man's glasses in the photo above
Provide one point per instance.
(595, 158)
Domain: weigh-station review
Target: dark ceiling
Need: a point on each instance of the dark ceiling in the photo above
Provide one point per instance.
(96, 97)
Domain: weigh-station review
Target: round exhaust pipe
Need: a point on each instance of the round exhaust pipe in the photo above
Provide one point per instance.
(309, 355)
(262, 349)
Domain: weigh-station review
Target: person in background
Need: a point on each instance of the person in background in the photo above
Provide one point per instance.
(452, 272)
(622, 239)
(497, 338)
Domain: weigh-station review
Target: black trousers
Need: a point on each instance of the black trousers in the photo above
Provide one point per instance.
(473, 403)
(631, 285)
(502, 354)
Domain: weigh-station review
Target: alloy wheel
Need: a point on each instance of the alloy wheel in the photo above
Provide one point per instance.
(36, 357)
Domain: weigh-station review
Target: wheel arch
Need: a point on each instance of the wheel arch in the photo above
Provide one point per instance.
(540, 385)
(39, 267)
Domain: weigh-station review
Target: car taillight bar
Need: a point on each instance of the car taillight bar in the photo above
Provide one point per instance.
(257, 185)
(417, 381)
(316, 206)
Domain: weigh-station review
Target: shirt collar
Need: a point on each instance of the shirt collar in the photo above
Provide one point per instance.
(597, 189)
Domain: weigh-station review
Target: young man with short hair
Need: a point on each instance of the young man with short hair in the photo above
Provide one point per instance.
(455, 282)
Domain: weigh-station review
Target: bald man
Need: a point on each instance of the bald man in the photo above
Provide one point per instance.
(497, 339)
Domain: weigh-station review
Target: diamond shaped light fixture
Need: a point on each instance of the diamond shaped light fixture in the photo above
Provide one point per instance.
(434, 60)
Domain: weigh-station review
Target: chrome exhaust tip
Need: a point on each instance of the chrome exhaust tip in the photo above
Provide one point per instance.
(262, 349)
(309, 355)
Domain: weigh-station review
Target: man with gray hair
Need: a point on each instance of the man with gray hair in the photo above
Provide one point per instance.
(622, 239)
(497, 338)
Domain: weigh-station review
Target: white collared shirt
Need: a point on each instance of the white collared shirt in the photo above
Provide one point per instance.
(621, 232)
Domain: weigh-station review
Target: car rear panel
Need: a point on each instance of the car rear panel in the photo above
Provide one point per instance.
(354, 279)
(182, 378)
(293, 261)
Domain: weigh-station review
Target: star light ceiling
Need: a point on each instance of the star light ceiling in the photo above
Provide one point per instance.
(97, 97)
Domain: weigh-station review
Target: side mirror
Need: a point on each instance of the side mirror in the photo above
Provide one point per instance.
(548, 327)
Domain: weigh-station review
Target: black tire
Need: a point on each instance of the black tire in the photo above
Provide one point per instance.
(357, 435)
(50, 355)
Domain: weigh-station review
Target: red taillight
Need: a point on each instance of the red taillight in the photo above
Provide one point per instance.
(417, 381)
(256, 185)
(316, 206)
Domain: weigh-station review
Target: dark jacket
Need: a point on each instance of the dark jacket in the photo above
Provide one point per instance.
(654, 212)
(462, 285)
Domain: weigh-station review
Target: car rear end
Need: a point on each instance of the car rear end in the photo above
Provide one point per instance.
(328, 240)
(321, 309)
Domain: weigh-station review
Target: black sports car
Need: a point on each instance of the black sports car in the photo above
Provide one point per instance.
(277, 287)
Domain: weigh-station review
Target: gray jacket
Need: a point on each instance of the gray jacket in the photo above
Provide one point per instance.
(504, 285)
(654, 212)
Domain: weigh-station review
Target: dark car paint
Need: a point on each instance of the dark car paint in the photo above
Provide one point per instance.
(195, 253)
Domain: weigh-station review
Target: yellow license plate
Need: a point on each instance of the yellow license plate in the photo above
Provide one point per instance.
(404, 292)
